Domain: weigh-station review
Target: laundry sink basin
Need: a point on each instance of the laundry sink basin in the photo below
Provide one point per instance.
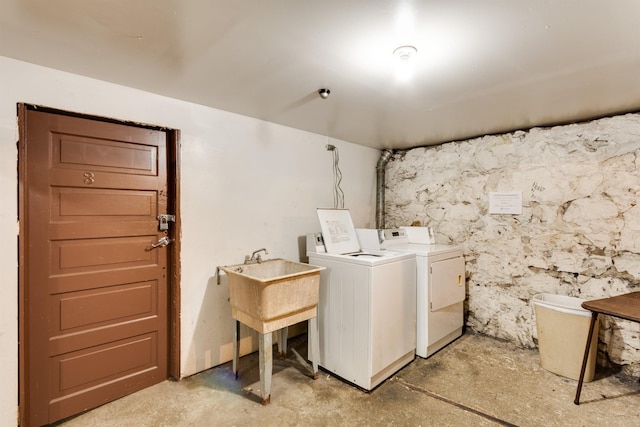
(273, 294)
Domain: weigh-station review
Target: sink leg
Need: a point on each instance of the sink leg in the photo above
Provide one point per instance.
(314, 340)
(266, 366)
(282, 343)
(236, 349)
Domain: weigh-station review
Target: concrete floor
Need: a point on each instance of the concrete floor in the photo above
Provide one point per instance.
(475, 381)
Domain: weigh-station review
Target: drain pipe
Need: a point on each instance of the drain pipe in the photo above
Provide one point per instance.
(380, 183)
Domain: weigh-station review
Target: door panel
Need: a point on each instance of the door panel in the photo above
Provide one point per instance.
(447, 282)
(95, 308)
(74, 372)
(75, 152)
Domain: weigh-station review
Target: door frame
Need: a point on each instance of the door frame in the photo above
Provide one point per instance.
(174, 273)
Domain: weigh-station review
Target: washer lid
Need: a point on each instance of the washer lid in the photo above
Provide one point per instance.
(338, 231)
(369, 258)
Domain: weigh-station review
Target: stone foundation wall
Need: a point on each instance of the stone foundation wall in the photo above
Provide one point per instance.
(578, 234)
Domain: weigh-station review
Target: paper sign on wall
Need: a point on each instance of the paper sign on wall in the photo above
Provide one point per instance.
(505, 202)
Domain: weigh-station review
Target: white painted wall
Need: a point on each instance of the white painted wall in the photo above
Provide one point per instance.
(246, 184)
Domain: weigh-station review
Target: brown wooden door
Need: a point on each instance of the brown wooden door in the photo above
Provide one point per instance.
(95, 293)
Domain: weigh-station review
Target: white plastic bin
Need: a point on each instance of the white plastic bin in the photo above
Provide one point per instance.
(563, 326)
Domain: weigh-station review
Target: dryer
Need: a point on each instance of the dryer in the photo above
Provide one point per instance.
(440, 288)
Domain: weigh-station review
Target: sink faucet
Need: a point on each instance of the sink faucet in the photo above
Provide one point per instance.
(255, 256)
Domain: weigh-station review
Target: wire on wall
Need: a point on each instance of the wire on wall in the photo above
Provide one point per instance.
(338, 194)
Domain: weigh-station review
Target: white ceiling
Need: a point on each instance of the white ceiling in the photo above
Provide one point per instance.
(483, 66)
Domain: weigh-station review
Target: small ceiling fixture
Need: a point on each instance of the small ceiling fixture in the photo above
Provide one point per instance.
(324, 93)
(405, 52)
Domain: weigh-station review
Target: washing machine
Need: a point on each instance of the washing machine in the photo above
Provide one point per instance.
(366, 307)
(440, 284)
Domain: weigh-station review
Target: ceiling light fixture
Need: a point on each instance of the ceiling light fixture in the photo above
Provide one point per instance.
(324, 93)
(405, 52)
(404, 66)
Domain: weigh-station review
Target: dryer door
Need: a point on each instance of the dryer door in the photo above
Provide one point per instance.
(447, 282)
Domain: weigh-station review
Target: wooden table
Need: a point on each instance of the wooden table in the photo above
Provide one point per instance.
(625, 306)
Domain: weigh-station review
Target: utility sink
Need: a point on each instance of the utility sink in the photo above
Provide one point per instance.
(273, 294)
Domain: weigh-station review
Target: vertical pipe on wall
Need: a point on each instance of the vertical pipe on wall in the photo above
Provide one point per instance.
(380, 184)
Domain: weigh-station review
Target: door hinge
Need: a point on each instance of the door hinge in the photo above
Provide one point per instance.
(164, 220)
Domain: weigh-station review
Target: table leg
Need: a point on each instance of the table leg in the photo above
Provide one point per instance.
(594, 319)
(266, 366)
